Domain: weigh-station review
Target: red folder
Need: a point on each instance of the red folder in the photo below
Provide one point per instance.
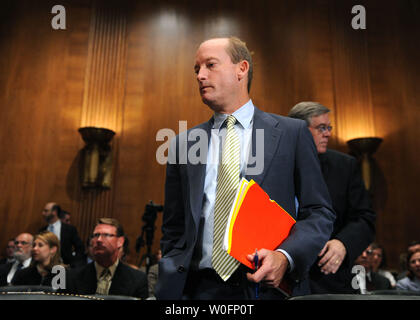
(255, 222)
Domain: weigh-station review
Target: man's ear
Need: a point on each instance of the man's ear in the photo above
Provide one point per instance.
(120, 241)
(243, 68)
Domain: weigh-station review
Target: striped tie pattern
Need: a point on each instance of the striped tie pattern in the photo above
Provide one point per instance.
(104, 282)
(227, 183)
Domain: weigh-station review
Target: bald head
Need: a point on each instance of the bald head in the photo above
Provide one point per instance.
(50, 212)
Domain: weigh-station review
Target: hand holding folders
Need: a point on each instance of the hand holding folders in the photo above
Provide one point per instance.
(255, 222)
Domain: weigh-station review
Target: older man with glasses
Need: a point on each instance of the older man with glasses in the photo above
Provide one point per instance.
(23, 256)
(354, 227)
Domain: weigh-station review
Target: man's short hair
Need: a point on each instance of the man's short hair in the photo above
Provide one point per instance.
(238, 51)
(306, 110)
(112, 222)
(57, 209)
(62, 214)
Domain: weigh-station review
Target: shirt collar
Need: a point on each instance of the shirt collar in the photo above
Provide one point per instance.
(244, 116)
(111, 268)
(56, 224)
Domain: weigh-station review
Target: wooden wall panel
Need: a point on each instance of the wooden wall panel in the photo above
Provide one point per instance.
(128, 65)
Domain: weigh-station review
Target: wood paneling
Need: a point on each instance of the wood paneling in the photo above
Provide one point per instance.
(128, 65)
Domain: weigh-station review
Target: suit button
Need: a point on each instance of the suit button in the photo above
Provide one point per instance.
(181, 269)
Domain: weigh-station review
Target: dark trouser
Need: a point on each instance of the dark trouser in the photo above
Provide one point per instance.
(206, 284)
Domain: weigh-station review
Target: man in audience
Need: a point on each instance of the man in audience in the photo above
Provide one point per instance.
(354, 227)
(107, 275)
(23, 257)
(64, 217)
(72, 249)
(10, 251)
(367, 279)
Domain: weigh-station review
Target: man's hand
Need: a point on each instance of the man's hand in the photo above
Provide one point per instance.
(273, 266)
(332, 255)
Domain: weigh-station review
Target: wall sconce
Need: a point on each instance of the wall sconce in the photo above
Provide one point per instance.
(97, 157)
(364, 148)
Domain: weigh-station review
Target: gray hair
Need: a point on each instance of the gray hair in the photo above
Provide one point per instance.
(306, 110)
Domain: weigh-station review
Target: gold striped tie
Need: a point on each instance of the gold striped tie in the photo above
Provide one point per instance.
(227, 183)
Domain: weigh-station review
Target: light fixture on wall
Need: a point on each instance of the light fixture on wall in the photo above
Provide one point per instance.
(363, 148)
(97, 157)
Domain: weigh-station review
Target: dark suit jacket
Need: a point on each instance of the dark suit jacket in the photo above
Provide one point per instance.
(126, 281)
(378, 282)
(355, 222)
(291, 168)
(69, 241)
(31, 277)
(4, 271)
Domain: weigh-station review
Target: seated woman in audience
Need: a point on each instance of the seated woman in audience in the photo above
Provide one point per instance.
(45, 255)
(412, 280)
(379, 263)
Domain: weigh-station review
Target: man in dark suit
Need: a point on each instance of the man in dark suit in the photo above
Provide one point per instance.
(354, 227)
(368, 280)
(23, 257)
(282, 159)
(72, 248)
(107, 275)
(10, 250)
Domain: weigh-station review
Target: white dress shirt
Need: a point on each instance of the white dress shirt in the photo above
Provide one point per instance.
(244, 116)
(14, 268)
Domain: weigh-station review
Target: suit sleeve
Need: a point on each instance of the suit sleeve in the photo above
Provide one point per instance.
(79, 248)
(360, 216)
(173, 213)
(315, 218)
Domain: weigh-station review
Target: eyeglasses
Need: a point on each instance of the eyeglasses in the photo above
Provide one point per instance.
(322, 128)
(369, 252)
(23, 243)
(104, 235)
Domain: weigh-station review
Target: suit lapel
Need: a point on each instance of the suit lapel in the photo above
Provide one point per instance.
(88, 282)
(117, 284)
(196, 174)
(271, 137)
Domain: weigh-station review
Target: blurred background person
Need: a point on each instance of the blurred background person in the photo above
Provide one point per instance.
(331, 273)
(153, 273)
(412, 280)
(23, 258)
(412, 247)
(45, 255)
(369, 280)
(65, 217)
(9, 252)
(72, 248)
(379, 263)
(107, 275)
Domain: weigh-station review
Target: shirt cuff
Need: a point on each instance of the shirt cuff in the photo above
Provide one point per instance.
(291, 263)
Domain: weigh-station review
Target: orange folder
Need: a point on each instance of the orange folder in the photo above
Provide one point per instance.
(255, 222)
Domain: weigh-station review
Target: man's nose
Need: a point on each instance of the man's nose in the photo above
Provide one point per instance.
(201, 74)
